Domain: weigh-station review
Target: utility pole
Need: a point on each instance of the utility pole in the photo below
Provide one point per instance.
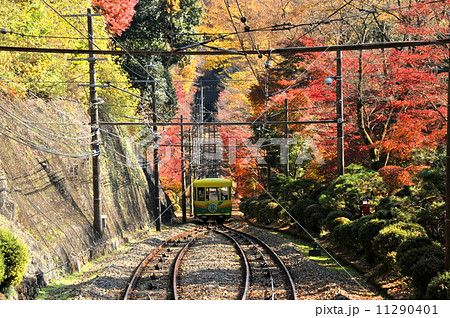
(93, 112)
(191, 173)
(183, 179)
(94, 129)
(156, 161)
(286, 136)
(447, 195)
(339, 115)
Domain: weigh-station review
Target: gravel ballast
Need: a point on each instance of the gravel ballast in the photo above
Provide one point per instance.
(108, 278)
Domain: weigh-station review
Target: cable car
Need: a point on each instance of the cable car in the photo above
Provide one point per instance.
(212, 199)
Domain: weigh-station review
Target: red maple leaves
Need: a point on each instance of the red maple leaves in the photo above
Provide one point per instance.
(117, 13)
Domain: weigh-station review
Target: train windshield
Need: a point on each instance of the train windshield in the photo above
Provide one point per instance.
(213, 194)
(224, 193)
(201, 194)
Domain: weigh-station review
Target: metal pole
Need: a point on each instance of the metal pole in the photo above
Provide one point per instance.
(339, 115)
(183, 181)
(94, 130)
(447, 196)
(191, 175)
(156, 162)
(286, 136)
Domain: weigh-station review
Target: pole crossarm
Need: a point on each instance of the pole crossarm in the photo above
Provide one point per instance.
(243, 123)
(293, 50)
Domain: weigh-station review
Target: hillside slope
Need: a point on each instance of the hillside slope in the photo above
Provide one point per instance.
(46, 198)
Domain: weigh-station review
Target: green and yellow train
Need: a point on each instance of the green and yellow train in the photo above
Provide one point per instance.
(212, 199)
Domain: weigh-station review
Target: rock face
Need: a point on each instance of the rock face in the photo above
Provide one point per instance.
(7, 206)
(46, 198)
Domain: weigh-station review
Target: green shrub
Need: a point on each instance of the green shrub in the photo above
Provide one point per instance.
(431, 217)
(250, 207)
(387, 241)
(298, 210)
(336, 214)
(243, 205)
(15, 255)
(393, 208)
(260, 209)
(272, 212)
(366, 234)
(421, 259)
(348, 192)
(314, 216)
(2, 268)
(411, 250)
(424, 271)
(439, 287)
(339, 221)
(343, 234)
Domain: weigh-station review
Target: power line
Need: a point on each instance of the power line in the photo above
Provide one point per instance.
(37, 147)
(284, 50)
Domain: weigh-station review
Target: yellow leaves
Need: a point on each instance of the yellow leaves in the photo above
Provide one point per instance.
(53, 74)
(185, 74)
(172, 5)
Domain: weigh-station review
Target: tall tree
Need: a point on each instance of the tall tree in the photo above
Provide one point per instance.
(118, 13)
(156, 25)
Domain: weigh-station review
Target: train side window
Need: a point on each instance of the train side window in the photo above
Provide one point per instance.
(200, 194)
(224, 193)
(213, 194)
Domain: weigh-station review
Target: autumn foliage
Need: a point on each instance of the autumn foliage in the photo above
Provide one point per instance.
(395, 177)
(117, 13)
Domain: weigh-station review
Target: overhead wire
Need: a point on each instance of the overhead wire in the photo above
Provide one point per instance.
(37, 147)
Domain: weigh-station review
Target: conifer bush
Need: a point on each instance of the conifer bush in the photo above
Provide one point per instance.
(424, 271)
(439, 287)
(314, 215)
(334, 215)
(342, 234)
(15, 255)
(386, 243)
(422, 259)
(366, 234)
(298, 210)
(339, 221)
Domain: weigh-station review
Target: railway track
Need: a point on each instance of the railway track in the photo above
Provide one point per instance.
(150, 279)
(271, 278)
(212, 263)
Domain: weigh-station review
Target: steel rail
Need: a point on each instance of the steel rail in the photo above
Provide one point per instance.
(275, 257)
(272, 282)
(176, 266)
(143, 264)
(244, 260)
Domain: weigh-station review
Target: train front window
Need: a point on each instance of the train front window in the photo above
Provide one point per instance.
(213, 194)
(200, 194)
(224, 193)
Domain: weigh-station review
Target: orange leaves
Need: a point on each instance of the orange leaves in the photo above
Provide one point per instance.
(395, 177)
